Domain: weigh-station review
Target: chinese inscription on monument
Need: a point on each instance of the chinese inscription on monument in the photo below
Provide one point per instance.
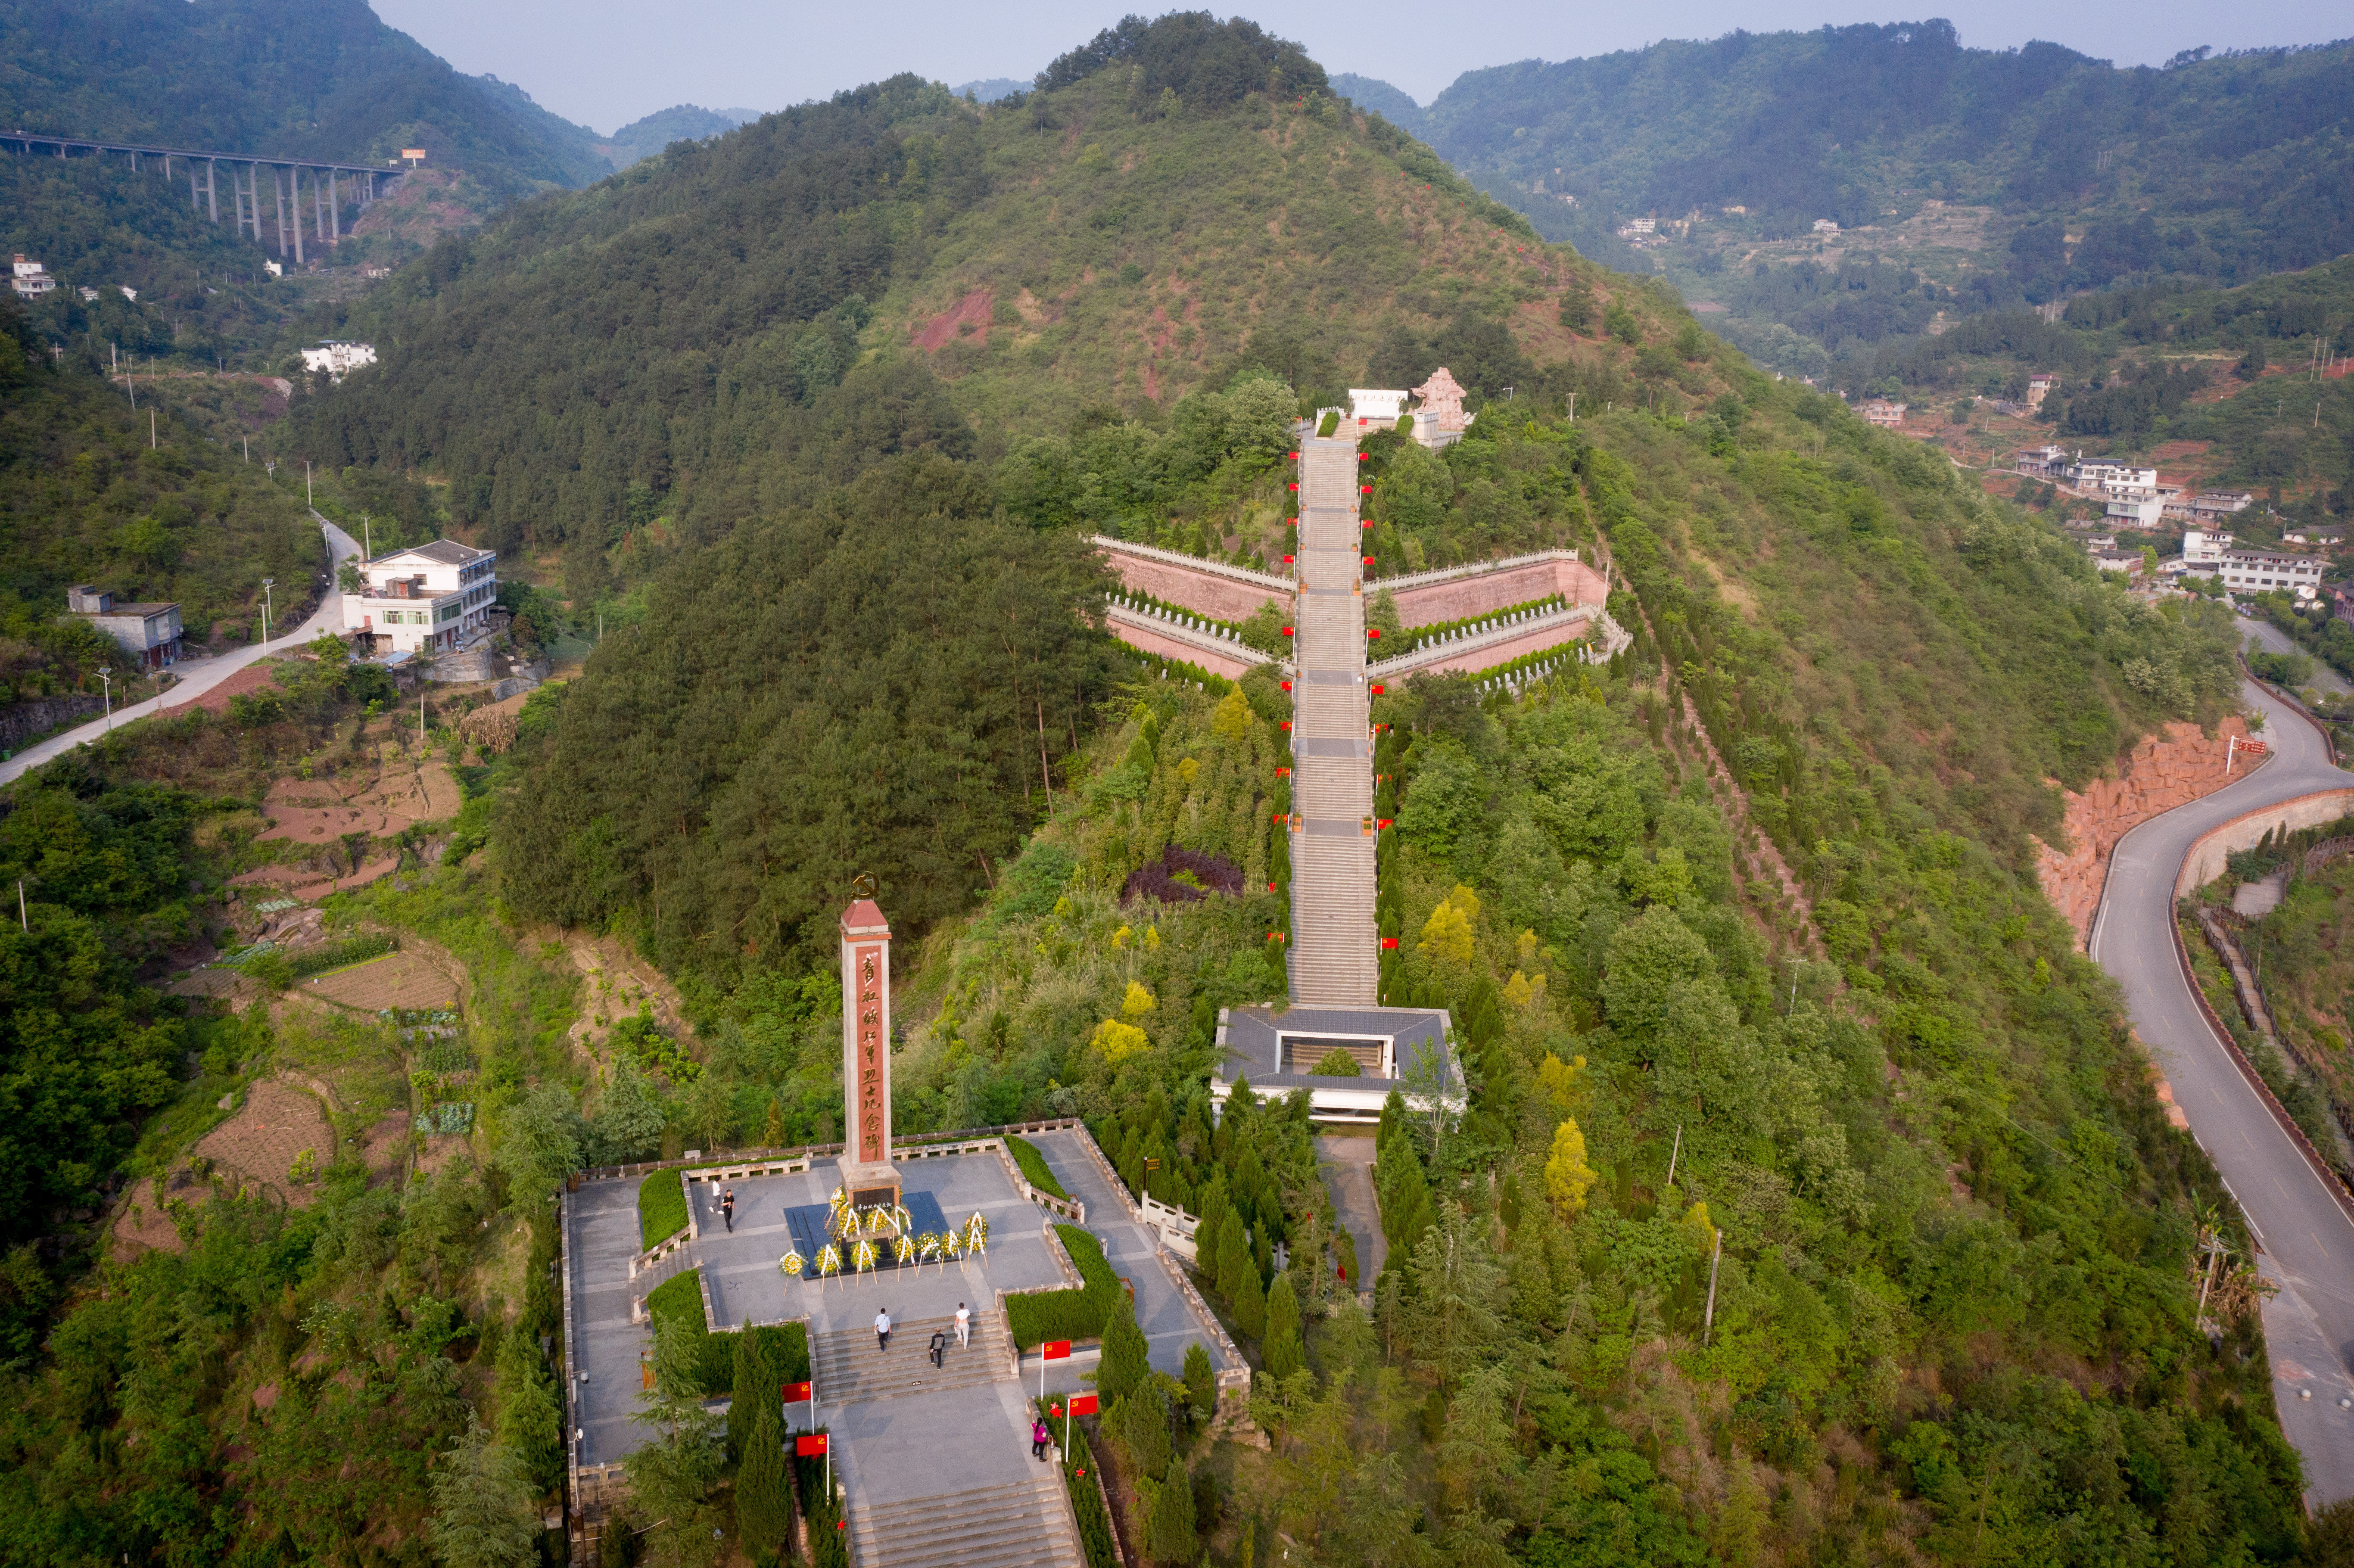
(866, 1051)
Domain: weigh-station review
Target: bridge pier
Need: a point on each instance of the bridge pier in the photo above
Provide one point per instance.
(212, 191)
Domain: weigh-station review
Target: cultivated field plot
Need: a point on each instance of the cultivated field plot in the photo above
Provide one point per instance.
(267, 1135)
(383, 1148)
(395, 979)
(378, 800)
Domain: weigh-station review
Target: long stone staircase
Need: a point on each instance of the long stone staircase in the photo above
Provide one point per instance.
(989, 1527)
(848, 1368)
(1335, 943)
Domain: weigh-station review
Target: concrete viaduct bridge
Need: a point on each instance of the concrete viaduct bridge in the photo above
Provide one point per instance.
(332, 185)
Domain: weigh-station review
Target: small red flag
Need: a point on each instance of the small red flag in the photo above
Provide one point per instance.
(1388, 943)
(1287, 632)
(1364, 490)
(1373, 634)
(1082, 1404)
(1387, 822)
(1057, 1350)
(1287, 724)
(811, 1445)
(1293, 456)
(1286, 560)
(1295, 484)
(1364, 457)
(1379, 688)
(795, 1392)
(1368, 523)
(1369, 560)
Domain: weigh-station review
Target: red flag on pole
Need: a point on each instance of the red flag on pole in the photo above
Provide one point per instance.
(1057, 1350)
(1082, 1404)
(809, 1446)
(797, 1392)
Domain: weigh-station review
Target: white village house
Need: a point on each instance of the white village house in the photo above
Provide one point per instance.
(30, 278)
(1436, 419)
(428, 600)
(338, 359)
(147, 632)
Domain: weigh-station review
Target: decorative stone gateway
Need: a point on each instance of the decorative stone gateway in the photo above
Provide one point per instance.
(868, 1177)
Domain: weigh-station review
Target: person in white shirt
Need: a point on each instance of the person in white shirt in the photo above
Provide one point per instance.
(882, 1329)
(964, 1324)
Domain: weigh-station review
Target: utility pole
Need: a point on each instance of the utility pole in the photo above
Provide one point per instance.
(306, 482)
(1708, 1322)
(266, 607)
(106, 681)
(367, 550)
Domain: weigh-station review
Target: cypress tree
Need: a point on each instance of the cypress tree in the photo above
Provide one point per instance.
(1201, 1381)
(1127, 1359)
(1250, 1303)
(1174, 1540)
(1142, 1427)
(756, 1388)
(1234, 1256)
(1280, 1347)
(764, 1508)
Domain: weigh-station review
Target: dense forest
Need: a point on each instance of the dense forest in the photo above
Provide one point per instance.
(1739, 928)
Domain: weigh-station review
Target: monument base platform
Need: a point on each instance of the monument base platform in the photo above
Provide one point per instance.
(870, 1184)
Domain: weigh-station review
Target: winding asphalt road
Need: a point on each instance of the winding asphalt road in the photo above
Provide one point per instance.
(2306, 1237)
(197, 676)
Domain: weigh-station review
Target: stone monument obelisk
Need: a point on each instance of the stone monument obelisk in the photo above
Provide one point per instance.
(868, 1178)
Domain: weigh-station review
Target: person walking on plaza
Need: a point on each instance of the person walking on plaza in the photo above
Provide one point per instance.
(882, 1329)
(727, 1207)
(964, 1324)
(940, 1348)
(1039, 1438)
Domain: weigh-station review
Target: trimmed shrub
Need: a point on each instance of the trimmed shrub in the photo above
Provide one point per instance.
(1069, 1314)
(1330, 422)
(1034, 1168)
(680, 1299)
(661, 1207)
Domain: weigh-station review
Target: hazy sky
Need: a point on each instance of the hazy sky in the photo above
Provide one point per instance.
(606, 62)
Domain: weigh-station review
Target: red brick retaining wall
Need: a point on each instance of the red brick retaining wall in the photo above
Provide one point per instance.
(1460, 598)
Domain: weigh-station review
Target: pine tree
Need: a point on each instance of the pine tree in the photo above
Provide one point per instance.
(1126, 1358)
(482, 1511)
(764, 1508)
(1174, 1540)
(1279, 1345)
(773, 1131)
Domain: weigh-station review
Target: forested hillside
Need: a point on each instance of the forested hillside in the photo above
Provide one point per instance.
(84, 498)
(267, 76)
(1753, 900)
(1962, 180)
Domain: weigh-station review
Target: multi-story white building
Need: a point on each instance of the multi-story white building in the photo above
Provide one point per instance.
(430, 600)
(30, 278)
(338, 359)
(2260, 571)
(2203, 552)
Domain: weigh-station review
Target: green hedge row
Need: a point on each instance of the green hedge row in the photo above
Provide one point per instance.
(1067, 1314)
(1034, 1168)
(829, 1542)
(661, 1207)
(681, 1296)
(1087, 1495)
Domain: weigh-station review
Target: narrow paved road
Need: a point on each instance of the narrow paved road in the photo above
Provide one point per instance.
(197, 676)
(2308, 1239)
(1335, 944)
(2272, 637)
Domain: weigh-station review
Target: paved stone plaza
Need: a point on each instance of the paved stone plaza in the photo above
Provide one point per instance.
(928, 1442)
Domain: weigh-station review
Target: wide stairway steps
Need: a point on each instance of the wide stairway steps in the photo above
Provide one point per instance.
(849, 1368)
(989, 1527)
